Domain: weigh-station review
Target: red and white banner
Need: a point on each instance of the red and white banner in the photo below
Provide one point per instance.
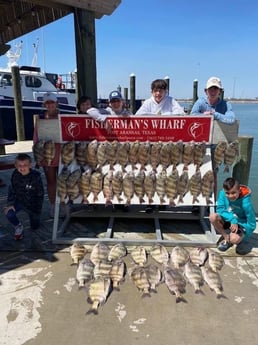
(143, 128)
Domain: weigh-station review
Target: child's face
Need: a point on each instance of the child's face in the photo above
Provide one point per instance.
(159, 94)
(51, 107)
(23, 166)
(116, 104)
(85, 106)
(233, 193)
(213, 93)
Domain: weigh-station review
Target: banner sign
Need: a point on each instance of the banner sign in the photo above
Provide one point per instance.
(131, 128)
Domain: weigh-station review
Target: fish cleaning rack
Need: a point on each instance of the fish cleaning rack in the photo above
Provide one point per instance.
(181, 222)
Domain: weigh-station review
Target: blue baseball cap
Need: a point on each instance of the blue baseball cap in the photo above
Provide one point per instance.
(115, 95)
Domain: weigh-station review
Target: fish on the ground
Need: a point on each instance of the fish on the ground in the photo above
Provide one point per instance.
(171, 186)
(61, 185)
(230, 155)
(133, 153)
(150, 186)
(128, 187)
(139, 255)
(144, 154)
(81, 153)
(84, 186)
(49, 151)
(155, 155)
(122, 154)
(77, 252)
(165, 155)
(154, 276)
(159, 253)
(175, 283)
(99, 252)
(117, 273)
(161, 186)
(98, 292)
(84, 272)
(117, 185)
(107, 187)
(96, 183)
(179, 256)
(199, 255)
(195, 185)
(219, 152)
(182, 186)
(38, 152)
(194, 275)
(67, 153)
(117, 251)
(207, 186)
(91, 153)
(215, 260)
(213, 280)
(139, 278)
(102, 268)
(199, 154)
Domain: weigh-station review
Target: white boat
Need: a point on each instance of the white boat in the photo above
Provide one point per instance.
(34, 84)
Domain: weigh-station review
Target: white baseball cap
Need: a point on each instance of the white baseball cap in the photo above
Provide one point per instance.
(49, 96)
(214, 81)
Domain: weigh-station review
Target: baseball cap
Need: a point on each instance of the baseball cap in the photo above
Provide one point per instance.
(115, 95)
(49, 96)
(214, 81)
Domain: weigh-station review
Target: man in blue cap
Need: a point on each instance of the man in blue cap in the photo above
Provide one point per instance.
(116, 104)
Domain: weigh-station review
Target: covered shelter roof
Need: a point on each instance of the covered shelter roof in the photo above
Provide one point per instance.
(19, 17)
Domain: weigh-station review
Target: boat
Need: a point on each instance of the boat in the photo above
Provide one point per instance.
(34, 83)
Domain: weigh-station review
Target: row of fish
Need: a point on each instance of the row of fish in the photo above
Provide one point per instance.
(105, 269)
(97, 154)
(123, 187)
(225, 153)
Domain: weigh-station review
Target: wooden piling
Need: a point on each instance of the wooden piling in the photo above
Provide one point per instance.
(168, 82)
(19, 119)
(195, 90)
(126, 96)
(132, 93)
(241, 169)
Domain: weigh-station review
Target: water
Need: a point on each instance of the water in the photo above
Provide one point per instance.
(247, 115)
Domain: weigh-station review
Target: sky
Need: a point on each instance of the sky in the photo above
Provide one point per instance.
(182, 39)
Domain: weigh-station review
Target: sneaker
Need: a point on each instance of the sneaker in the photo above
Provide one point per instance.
(18, 234)
(223, 246)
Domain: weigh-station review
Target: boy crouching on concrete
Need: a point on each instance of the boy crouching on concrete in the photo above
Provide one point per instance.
(25, 193)
(235, 216)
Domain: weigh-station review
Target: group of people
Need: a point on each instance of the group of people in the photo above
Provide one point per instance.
(235, 216)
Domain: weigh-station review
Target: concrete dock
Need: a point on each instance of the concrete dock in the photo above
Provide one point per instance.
(41, 304)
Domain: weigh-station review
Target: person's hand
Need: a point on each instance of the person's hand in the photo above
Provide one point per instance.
(8, 208)
(209, 112)
(234, 228)
(108, 126)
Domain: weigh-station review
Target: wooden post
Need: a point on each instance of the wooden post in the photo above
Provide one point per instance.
(241, 169)
(119, 88)
(195, 90)
(126, 96)
(84, 23)
(19, 119)
(132, 93)
(168, 82)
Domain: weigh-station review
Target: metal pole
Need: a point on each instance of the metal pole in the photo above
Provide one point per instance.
(19, 119)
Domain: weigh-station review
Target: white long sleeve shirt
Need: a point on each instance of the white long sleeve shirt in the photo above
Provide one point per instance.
(167, 106)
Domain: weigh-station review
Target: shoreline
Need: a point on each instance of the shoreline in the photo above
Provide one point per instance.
(254, 101)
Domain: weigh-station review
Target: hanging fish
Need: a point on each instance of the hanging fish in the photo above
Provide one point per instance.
(231, 154)
(49, 151)
(165, 155)
(67, 153)
(117, 185)
(161, 186)
(207, 186)
(111, 153)
(219, 152)
(80, 153)
(176, 153)
(182, 187)
(128, 186)
(91, 154)
(144, 154)
(171, 186)
(61, 185)
(133, 153)
(96, 182)
(155, 155)
(199, 154)
(150, 186)
(195, 186)
(139, 185)
(84, 186)
(122, 154)
(38, 152)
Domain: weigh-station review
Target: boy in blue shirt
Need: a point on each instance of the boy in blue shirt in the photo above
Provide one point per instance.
(235, 216)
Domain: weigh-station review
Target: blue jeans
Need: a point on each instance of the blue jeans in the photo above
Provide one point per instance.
(12, 217)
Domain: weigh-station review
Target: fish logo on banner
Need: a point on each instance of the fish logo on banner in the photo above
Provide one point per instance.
(195, 130)
(72, 129)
